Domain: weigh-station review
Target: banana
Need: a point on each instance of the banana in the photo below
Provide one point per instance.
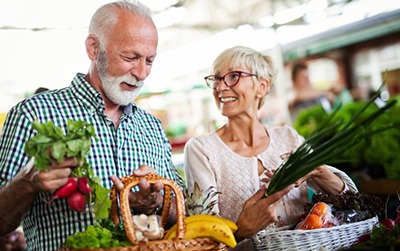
(212, 218)
(204, 217)
(207, 226)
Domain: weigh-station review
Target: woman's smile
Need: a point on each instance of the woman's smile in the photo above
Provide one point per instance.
(227, 99)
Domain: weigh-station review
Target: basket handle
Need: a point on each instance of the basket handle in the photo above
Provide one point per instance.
(131, 181)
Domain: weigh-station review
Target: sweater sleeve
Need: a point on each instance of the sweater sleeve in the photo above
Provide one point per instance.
(348, 182)
(198, 169)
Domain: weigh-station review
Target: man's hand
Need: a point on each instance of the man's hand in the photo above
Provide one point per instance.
(148, 198)
(13, 241)
(56, 175)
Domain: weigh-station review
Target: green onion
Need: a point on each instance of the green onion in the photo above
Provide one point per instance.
(321, 146)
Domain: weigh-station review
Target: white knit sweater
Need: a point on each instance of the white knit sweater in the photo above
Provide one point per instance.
(210, 162)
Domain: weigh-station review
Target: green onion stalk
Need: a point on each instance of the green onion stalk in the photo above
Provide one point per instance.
(326, 143)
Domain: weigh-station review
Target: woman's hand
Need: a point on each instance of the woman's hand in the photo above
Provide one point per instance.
(327, 181)
(314, 173)
(148, 198)
(258, 212)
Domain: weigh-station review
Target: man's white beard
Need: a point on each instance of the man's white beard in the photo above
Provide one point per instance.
(111, 87)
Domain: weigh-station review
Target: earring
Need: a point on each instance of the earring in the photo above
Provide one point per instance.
(259, 96)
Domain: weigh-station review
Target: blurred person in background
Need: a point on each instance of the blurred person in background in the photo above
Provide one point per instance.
(41, 89)
(239, 158)
(121, 45)
(305, 95)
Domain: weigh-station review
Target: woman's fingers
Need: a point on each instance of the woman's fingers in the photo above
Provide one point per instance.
(275, 197)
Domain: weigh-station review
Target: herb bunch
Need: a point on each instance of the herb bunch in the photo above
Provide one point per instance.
(326, 143)
(98, 236)
(50, 143)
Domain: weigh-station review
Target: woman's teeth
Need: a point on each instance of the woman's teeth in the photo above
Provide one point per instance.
(228, 99)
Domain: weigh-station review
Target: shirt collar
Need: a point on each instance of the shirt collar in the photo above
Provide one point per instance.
(92, 98)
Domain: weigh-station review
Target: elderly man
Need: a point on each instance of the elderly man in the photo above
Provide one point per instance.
(122, 45)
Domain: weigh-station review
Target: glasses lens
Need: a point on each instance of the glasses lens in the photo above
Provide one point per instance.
(210, 81)
(232, 78)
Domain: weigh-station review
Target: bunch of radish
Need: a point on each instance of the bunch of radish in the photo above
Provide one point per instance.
(50, 144)
(386, 235)
(75, 191)
(390, 223)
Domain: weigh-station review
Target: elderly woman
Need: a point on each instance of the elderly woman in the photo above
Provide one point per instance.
(241, 156)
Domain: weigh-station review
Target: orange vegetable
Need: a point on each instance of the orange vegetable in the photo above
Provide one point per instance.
(312, 221)
(321, 209)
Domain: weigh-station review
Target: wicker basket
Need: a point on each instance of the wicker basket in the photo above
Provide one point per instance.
(178, 243)
(333, 238)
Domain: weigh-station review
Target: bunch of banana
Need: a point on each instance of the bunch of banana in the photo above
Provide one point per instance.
(205, 225)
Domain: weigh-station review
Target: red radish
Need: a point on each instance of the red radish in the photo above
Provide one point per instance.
(83, 185)
(363, 238)
(77, 201)
(70, 187)
(388, 223)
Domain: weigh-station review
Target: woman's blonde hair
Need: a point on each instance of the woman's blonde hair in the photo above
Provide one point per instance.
(258, 63)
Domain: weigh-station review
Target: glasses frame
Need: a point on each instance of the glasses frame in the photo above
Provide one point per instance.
(219, 78)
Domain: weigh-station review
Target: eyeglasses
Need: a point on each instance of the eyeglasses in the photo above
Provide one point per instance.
(230, 79)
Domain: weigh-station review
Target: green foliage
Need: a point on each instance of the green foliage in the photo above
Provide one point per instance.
(375, 149)
(381, 239)
(50, 142)
(309, 120)
(199, 202)
(332, 138)
(96, 236)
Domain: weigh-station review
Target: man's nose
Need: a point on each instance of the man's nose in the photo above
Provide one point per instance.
(141, 70)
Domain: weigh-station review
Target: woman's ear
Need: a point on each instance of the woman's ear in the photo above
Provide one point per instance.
(92, 46)
(264, 87)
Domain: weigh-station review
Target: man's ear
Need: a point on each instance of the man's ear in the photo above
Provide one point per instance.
(92, 46)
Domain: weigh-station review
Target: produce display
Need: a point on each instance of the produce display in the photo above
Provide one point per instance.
(385, 236)
(199, 228)
(83, 187)
(369, 205)
(328, 141)
(328, 210)
(376, 151)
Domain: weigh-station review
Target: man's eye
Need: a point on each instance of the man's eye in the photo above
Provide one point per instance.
(129, 59)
